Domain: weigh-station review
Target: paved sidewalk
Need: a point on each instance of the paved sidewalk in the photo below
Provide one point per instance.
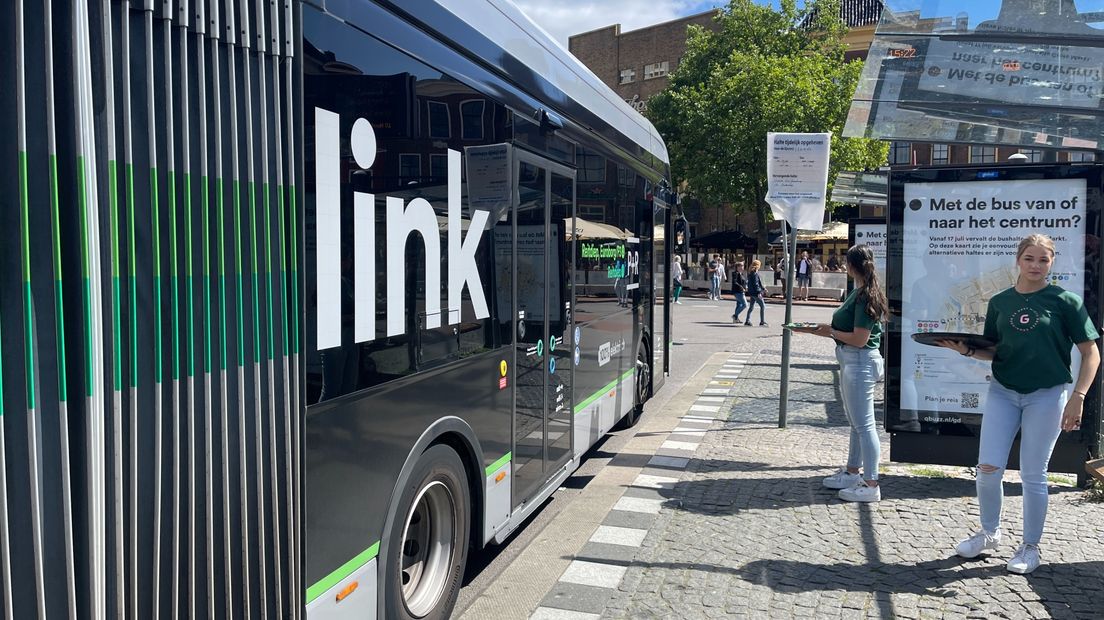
(730, 520)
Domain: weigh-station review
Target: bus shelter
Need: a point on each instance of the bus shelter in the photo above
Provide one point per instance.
(951, 245)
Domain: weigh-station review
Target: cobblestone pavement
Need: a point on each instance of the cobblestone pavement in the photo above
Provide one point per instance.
(746, 530)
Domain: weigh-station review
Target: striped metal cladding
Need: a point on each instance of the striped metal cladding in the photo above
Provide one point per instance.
(150, 447)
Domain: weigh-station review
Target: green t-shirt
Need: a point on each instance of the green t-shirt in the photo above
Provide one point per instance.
(1034, 334)
(851, 315)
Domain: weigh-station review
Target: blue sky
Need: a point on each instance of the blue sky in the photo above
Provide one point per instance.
(562, 18)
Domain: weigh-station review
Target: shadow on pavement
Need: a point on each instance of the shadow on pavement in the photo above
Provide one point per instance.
(1050, 582)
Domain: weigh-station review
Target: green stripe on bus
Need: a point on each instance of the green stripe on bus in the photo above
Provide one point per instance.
(28, 317)
(155, 226)
(493, 467)
(595, 396)
(174, 280)
(59, 297)
(132, 280)
(116, 289)
(86, 279)
(346, 569)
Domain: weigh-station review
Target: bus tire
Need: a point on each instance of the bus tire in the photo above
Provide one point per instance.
(642, 386)
(429, 542)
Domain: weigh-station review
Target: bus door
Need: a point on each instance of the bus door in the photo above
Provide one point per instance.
(543, 214)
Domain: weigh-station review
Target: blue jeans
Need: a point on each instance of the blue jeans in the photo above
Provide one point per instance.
(715, 287)
(751, 308)
(740, 304)
(1038, 416)
(860, 370)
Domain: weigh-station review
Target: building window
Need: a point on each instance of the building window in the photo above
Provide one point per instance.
(1034, 156)
(941, 154)
(627, 76)
(471, 119)
(438, 167)
(594, 213)
(439, 125)
(1081, 156)
(983, 154)
(592, 167)
(655, 70)
(410, 167)
(900, 153)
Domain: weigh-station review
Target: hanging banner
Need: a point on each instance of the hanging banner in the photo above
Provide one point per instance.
(797, 177)
(959, 250)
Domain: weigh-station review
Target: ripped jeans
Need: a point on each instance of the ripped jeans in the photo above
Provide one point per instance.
(1038, 415)
(860, 370)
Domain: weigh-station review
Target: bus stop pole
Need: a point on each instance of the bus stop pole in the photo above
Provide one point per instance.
(787, 335)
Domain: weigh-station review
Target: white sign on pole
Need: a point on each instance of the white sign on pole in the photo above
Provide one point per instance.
(960, 243)
(797, 177)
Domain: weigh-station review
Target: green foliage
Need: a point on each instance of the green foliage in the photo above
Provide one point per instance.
(761, 72)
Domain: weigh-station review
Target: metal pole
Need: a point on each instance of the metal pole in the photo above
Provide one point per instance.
(254, 291)
(189, 409)
(205, 224)
(59, 310)
(279, 56)
(243, 477)
(274, 472)
(155, 257)
(174, 300)
(132, 288)
(116, 321)
(784, 397)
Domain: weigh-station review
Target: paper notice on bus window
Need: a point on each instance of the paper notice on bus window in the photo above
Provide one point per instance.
(489, 179)
(959, 250)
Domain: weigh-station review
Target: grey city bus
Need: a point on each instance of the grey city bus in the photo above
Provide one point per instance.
(302, 301)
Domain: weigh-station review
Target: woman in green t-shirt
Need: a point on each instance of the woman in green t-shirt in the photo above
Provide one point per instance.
(857, 329)
(1035, 324)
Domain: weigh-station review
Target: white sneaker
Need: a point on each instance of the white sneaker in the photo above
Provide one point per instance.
(1027, 559)
(842, 479)
(861, 492)
(679, 303)
(978, 542)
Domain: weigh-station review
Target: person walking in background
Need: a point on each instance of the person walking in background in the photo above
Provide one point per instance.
(739, 289)
(804, 276)
(711, 276)
(780, 273)
(857, 329)
(755, 293)
(721, 275)
(1034, 325)
(676, 279)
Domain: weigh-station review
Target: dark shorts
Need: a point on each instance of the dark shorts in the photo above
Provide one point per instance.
(804, 280)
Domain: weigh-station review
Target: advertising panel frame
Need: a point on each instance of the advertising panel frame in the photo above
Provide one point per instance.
(914, 440)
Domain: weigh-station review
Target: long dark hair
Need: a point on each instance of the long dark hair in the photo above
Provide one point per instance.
(861, 261)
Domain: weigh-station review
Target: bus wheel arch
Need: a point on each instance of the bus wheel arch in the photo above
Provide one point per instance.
(433, 514)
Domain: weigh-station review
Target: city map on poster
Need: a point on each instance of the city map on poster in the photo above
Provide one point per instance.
(960, 243)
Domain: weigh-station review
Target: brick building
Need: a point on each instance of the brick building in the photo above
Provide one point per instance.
(635, 64)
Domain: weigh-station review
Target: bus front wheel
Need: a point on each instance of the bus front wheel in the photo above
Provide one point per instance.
(642, 379)
(429, 546)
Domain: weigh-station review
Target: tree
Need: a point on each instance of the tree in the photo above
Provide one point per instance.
(764, 70)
